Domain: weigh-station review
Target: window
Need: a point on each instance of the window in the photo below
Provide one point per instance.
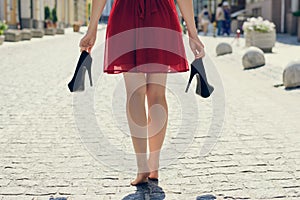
(256, 12)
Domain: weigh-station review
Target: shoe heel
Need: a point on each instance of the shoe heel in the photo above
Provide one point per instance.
(187, 87)
(192, 74)
(90, 75)
(198, 85)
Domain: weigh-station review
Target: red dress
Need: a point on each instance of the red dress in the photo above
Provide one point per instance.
(144, 36)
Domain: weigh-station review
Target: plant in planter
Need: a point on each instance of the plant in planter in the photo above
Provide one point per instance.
(54, 17)
(3, 27)
(76, 26)
(260, 33)
(48, 18)
(297, 14)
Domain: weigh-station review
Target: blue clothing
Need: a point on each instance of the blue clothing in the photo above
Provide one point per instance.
(227, 22)
(220, 25)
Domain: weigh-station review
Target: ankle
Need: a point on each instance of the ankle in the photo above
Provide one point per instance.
(153, 175)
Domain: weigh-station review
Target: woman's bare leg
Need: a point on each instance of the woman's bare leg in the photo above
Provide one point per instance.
(157, 118)
(137, 120)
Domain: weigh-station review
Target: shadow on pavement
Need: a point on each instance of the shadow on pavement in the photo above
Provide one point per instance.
(58, 198)
(149, 190)
(287, 39)
(294, 88)
(206, 197)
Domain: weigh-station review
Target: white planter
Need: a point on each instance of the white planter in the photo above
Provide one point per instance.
(264, 41)
(2, 39)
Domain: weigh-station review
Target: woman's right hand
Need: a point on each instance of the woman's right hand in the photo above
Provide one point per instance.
(88, 41)
(196, 46)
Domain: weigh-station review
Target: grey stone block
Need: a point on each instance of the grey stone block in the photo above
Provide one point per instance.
(12, 35)
(26, 34)
(223, 49)
(60, 31)
(50, 31)
(291, 75)
(38, 24)
(254, 57)
(37, 33)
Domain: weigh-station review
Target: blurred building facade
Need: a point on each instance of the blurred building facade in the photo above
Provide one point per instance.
(278, 11)
(106, 11)
(31, 13)
(9, 12)
(235, 5)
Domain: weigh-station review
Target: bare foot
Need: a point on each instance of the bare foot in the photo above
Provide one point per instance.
(141, 178)
(153, 175)
(153, 171)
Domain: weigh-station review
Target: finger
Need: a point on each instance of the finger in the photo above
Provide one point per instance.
(195, 52)
(83, 49)
(84, 45)
(90, 49)
(200, 54)
(84, 42)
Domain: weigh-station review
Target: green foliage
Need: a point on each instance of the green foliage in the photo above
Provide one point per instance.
(3, 27)
(47, 13)
(183, 27)
(54, 15)
(89, 9)
(297, 13)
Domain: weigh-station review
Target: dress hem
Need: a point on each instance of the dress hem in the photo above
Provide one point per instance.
(149, 72)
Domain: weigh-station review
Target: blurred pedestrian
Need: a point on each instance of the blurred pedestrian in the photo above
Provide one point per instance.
(220, 19)
(227, 22)
(204, 18)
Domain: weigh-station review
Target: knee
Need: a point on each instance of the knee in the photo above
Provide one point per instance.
(138, 93)
(155, 97)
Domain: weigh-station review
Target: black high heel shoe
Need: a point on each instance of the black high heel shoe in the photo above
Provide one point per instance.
(84, 64)
(204, 89)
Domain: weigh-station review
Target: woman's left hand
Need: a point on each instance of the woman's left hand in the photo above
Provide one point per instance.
(88, 41)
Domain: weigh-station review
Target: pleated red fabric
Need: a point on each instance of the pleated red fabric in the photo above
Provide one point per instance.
(144, 36)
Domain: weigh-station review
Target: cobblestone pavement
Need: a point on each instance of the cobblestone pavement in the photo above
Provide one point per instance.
(256, 156)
